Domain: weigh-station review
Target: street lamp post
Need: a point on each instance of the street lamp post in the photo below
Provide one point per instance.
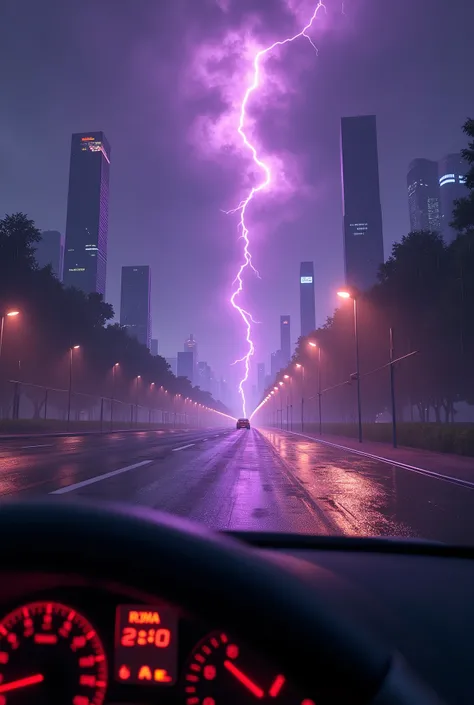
(136, 400)
(288, 402)
(71, 349)
(302, 395)
(347, 295)
(113, 396)
(9, 314)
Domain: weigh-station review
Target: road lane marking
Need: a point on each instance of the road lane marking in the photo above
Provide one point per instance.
(99, 478)
(398, 463)
(203, 439)
(41, 445)
(183, 447)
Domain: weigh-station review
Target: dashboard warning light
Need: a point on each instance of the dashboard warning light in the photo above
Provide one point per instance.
(144, 674)
(124, 673)
(161, 675)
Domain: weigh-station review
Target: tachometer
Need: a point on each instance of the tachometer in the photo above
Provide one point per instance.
(49, 653)
(220, 672)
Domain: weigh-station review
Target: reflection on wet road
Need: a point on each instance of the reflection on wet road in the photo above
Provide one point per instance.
(242, 480)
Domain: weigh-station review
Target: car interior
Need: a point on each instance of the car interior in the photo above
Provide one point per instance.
(116, 604)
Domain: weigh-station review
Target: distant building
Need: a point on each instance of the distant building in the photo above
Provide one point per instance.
(285, 340)
(173, 363)
(363, 236)
(135, 302)
(50, 251)
(154, 347)
(275, 364)
(190, 345)
(204, 376)
(307, 305)
(423, 195)
(224, 392)
(87, 224)
(261, 378)
(186, 365)
(452, 172)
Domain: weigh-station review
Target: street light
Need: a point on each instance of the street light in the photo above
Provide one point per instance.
(315, 345)
(71, 349)
(348, 295)
(301, 367)
(113, 396)
(10, 314)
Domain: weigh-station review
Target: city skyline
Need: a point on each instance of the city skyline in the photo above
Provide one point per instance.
(148, 151)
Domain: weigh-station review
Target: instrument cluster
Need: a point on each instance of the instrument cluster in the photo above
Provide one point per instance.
(97, 650)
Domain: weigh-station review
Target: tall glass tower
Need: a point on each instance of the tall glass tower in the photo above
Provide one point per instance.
(87, 224)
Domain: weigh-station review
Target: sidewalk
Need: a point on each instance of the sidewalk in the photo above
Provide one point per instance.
(456, 466)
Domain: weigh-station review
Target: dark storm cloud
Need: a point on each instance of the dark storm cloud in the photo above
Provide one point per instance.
(122, 66)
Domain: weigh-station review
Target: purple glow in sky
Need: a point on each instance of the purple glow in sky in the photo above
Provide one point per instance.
(165, 81)
(264, 184)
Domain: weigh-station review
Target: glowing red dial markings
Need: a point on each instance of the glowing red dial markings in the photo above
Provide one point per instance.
(45, 639)
(21, 683)
(40, 622)
(276, 686)
(242, 678)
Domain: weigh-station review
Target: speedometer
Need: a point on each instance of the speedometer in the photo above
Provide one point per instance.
(222, 672)
(49, 653)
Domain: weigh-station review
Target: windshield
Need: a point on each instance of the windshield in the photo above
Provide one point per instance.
(237, 261)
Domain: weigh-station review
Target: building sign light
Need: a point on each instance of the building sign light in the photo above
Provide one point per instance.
(87, 139)
(306, 280)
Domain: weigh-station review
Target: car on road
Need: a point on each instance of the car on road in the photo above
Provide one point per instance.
(243, 423)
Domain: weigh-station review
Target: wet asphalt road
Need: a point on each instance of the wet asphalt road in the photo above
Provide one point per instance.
(241, 480)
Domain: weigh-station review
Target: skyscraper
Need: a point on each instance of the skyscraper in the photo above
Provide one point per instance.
(190, 345)
(154, 347)
(363, 236)
(50, 250)
(285, 340)
(135, 302)
(87, 224)
(307, 308)
(452, 185)
(204, 376)
(186, 365)
(261, 378)
(173, 363)
(423, 195)
(275, 363)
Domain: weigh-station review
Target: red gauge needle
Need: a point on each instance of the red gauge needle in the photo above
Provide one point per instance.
(276, 686)
(245, 680)
(21, 683)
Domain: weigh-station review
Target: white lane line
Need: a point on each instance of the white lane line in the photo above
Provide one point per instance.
(41, 445)
(99, 478)
(183, 447)
(203, 439)
(404, 466)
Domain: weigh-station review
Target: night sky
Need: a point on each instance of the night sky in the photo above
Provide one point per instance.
(163, 78)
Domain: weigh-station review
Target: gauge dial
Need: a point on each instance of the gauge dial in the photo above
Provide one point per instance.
(220, 672)
(50, 654)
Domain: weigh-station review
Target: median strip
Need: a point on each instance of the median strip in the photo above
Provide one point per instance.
(99, 478)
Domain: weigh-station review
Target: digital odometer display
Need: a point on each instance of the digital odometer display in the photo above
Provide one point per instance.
(146, 645)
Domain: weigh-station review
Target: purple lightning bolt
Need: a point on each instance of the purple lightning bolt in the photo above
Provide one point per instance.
(243, 205)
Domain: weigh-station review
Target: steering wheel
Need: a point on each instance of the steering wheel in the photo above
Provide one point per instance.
(219, 580)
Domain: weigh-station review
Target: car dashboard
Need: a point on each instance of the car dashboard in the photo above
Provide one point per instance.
(112, 646)
(115, 645)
